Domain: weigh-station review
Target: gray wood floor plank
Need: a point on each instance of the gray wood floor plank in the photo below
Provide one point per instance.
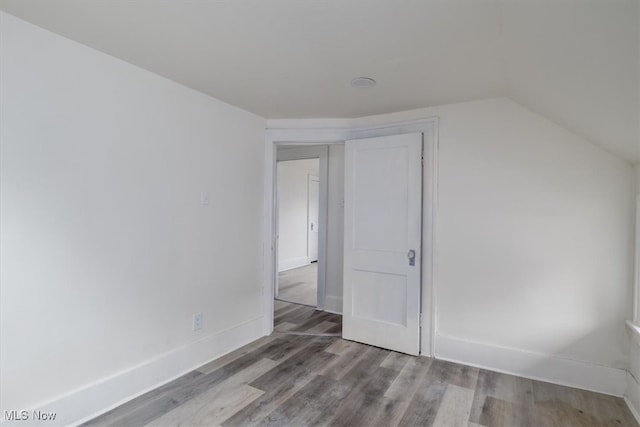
(427, 399)
(349, 357)
(401, 391)
(424, 406)
(499, 413)
(289, 348)
(409, 378)
(339, 346)
(315, 319)
(300, 312)
(299, 380)
(310, 358)
(337, 329)
(396, 361)
(309, 405)
(299, 285)
(555, 404)
(364, 406)
(166, 403)
(321, 327)
(256, 411)
(502, 399)
(122, 412)
(279, 305)
(219, 402)
(455, 407)
(234, 355)
(485, 387)
(283, 381)
(371, 358)
(285, 327)
(454, 373)
(286, 309)
(300, 316)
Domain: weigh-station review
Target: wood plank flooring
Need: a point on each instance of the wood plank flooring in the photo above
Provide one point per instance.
(296, 380)
(299, 285)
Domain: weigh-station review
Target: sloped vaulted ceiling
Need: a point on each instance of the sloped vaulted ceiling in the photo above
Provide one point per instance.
(572, 61)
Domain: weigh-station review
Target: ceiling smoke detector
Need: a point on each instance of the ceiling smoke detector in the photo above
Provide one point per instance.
(363, 82)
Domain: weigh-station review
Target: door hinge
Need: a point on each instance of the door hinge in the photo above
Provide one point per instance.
(422, 159)
(421, 320)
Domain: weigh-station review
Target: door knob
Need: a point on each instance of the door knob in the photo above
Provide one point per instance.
(412, 257)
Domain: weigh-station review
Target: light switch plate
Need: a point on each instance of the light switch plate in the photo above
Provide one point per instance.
(197, 321)
(205, 198)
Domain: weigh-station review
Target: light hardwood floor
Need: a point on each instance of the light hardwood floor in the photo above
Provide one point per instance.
(299, 285)
(294, 380)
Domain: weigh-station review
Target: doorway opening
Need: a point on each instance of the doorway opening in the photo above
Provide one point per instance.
(307, 239)
(298, 230)
(333, 140)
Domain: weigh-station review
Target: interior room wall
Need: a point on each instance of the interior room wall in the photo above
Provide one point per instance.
(637, 248)
(632, 394)
(293, 196)
(534, 231)
(128, 204)
(335, 229)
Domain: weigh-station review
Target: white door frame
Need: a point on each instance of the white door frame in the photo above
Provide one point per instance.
(331, 135)
(300, 153)
(310, 180)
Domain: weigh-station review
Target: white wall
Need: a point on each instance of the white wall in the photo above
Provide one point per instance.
(534, 235)
(106, 251)
(335, 229)
(293, 195)
(637, 249)
(632, 394)
(534, 239)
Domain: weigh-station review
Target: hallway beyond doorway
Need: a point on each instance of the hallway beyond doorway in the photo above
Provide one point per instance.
(299, 285)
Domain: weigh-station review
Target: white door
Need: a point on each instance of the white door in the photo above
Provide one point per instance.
(382, 241)
(312, 222)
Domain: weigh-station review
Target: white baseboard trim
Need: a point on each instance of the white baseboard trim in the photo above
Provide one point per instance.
(632, 396)
(333, 304)
(101, 396)
(537, 366)
(290, 264)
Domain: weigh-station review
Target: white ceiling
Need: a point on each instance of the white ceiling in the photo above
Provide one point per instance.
(572, 61)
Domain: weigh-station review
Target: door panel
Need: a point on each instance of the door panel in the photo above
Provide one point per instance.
(382, 194)
(383, 208)
(380, 297)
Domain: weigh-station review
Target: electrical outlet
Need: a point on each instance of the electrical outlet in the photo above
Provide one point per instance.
(197, 321)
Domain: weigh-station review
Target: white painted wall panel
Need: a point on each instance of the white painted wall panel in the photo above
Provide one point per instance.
(335, 229)
(535, 229)
(293, 189)
(106, 251)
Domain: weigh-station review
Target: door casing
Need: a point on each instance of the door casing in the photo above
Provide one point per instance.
(332, 135)
(301, 152)
(313, 218)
